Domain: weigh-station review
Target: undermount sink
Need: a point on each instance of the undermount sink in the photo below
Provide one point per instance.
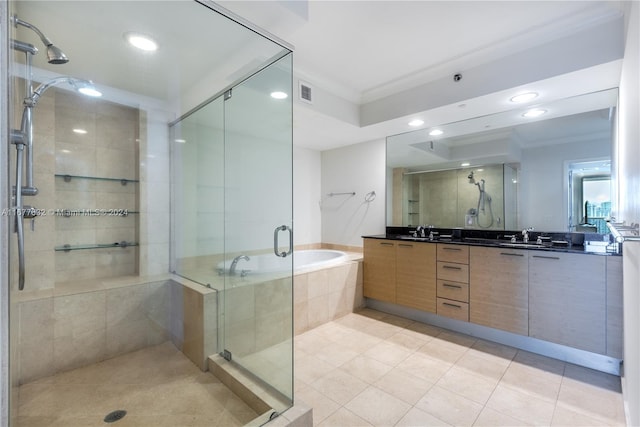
(480, 240)
(522, 245)
(424, 239)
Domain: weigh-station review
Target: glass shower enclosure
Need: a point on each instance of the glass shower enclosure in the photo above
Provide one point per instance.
(147, 230)
(232, 204)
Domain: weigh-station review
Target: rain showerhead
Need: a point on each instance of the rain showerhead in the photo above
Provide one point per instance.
(54, 54)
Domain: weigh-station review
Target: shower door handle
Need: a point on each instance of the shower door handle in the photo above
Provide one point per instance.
(276, 234)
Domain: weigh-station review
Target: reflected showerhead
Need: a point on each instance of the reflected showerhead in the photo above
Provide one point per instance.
(471, 179)
(54, 54)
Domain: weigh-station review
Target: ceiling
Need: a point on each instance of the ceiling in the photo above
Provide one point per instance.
(358, 56)
(365, 51)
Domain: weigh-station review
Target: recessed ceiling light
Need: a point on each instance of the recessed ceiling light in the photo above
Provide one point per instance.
(80, 131)
(181, 141)
(524, 97)
(279, 95)
(465, 164)
(416, 122)
(141, 41)
(536, 112)
(436, 132)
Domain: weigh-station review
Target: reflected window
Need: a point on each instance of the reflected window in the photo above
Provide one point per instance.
(590, 196)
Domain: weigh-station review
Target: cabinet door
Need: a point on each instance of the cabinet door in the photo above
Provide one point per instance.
(614, 306)
(416, 275)
(380, 269)
(499, 289)
(567, 299)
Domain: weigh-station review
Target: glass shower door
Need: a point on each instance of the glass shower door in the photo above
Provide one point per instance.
(258, 301)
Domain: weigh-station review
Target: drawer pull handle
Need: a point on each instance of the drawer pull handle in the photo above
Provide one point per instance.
(447, 285)
(386, 244)
(404, 245)
(510, 254)
(546, 257)
(450, 267)
(451, 305)
(447, 248)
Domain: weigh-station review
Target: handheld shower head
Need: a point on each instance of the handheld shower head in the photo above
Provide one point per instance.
(85, 87)
(54, 54)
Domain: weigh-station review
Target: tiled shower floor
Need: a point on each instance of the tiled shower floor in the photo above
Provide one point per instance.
(157, 386)
(373, 369)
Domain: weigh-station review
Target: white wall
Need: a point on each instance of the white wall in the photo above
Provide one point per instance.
(307, 224)
(544, 182)
(359, 168)
(628, 165)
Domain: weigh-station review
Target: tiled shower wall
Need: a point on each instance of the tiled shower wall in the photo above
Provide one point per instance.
(109, 149)
(70, 331)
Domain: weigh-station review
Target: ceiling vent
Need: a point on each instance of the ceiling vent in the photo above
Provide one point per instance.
(306, 92)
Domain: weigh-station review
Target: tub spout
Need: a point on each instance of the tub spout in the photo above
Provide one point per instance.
(234, 263)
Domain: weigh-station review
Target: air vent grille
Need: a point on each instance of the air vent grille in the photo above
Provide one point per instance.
(306, 92)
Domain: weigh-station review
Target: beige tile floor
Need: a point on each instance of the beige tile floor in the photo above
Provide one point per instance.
(373, 369)
(157, 386)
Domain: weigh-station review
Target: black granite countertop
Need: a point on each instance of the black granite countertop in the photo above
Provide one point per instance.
(555, 242)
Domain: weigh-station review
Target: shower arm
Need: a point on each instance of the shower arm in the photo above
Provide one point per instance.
(45, 40)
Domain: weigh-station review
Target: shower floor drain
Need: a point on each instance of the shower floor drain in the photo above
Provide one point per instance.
(114, 416)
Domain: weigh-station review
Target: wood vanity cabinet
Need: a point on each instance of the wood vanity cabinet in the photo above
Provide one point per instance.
(401, 272)
(499, 288)
(416, 275)
(567, 299)
(379, 276)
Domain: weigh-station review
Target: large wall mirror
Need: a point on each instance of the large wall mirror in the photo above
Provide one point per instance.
(508, 170)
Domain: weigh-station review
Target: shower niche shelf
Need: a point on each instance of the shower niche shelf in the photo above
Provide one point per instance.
(122, 181)
(69, 248)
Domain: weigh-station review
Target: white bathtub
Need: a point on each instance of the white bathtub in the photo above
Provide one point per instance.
(270, 263)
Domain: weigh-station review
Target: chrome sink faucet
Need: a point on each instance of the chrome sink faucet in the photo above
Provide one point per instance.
(234, 263)
(525, 234)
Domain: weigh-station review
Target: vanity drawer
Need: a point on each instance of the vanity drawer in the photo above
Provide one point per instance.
(453, 290)
(453, 253)
(453, 309)
(452, 271)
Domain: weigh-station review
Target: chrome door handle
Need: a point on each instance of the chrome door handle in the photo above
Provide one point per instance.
(276, 233)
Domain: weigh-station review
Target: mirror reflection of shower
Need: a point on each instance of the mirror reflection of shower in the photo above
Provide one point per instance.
(484, 205)
(23, 138)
